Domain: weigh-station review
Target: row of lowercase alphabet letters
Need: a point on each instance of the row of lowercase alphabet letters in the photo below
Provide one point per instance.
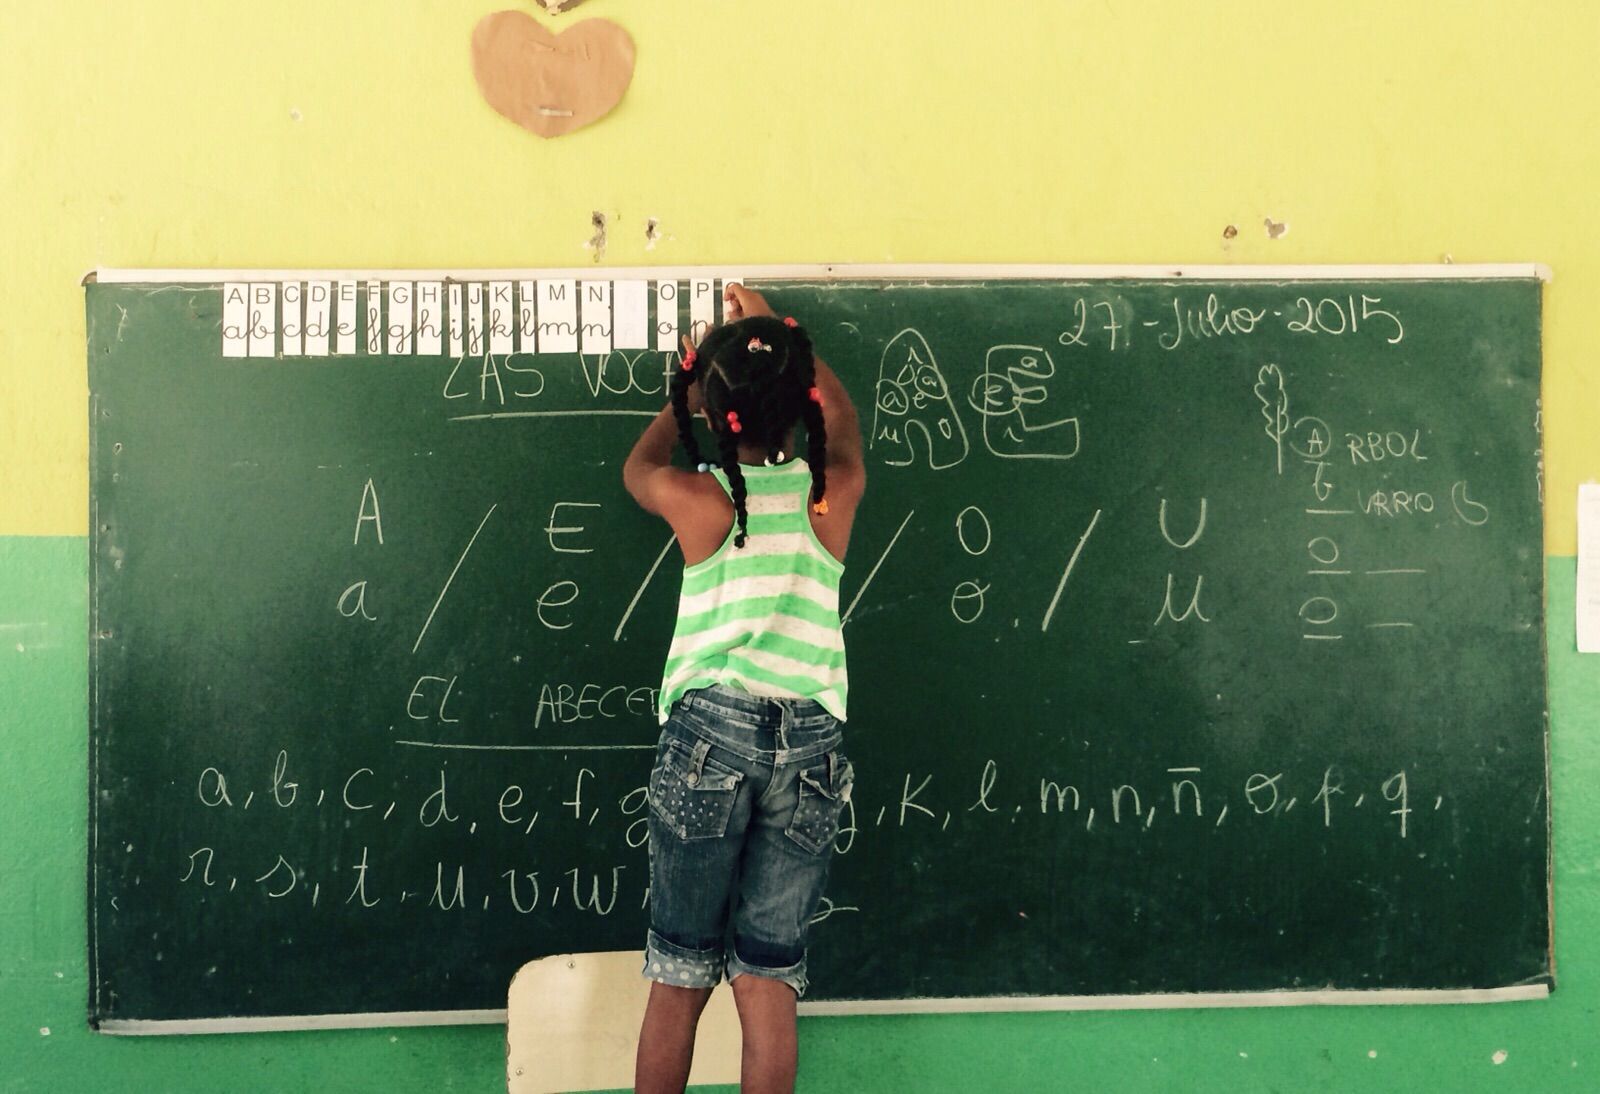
(452, 318)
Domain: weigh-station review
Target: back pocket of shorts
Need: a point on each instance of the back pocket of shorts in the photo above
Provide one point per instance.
(821, 803)
(694, 802)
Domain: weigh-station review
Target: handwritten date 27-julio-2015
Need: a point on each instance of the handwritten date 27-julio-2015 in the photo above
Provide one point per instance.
(1110, 323)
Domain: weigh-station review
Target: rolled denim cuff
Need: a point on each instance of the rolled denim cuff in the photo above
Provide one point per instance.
(680, 966)
(793, 975)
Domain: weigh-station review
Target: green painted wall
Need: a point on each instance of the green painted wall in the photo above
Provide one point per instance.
(1552, 1045)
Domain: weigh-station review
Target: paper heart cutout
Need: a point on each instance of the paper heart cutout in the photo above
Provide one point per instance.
(549, 83)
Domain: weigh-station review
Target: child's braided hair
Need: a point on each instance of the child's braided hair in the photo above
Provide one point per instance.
(758, 377)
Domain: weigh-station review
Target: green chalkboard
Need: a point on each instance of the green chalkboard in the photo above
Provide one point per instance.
(1195, 632)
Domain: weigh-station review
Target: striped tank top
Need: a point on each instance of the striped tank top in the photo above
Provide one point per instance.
(765, 617)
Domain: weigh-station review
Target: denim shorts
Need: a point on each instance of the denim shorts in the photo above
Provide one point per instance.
(745, 802)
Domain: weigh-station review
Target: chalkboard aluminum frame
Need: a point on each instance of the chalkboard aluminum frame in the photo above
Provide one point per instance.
(828, 271)
(903, 272)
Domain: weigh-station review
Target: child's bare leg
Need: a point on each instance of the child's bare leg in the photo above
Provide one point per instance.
(666, 1040)
(766, 1015)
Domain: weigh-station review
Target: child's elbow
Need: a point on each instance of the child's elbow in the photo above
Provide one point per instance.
(636, 480)
(849, 473)
(631, 473)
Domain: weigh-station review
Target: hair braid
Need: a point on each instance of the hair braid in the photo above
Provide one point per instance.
(682, 380)
(775, 414)
(805, 375)
(730, 467)
(816, 449)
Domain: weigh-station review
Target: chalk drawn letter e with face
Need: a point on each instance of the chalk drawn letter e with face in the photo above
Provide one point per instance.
(912, 398)
(1008, 395)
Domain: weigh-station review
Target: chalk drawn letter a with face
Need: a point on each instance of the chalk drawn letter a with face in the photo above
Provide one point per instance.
(914, 398)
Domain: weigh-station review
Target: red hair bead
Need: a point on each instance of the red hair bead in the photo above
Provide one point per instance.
(733, 422)
(789, 321)
(816, 395)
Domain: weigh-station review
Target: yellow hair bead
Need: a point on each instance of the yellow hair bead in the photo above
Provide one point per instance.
(821, 508)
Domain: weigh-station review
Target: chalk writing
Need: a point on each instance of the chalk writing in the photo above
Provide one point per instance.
(913, 400)
(998, 794)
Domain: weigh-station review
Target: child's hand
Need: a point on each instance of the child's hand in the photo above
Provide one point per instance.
(739, 302)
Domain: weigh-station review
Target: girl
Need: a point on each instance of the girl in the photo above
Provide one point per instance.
(749, 782)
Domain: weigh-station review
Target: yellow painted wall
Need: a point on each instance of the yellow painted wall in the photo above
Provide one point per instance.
(308, 133)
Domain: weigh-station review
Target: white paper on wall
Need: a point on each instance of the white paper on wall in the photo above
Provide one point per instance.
(293, 323)
(430, 317)
(455, 321)
(235, 319)
(667, 293)
(558, 317)
(319, 317)
(702, 307)
(527, 328)
(372, 328)
(344, 318)
(263, 319)
(502, 318)
(400, 329)
(596, 315)
(474, 320)
(630, 314)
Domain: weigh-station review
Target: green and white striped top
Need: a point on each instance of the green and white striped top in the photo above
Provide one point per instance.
(765, 617)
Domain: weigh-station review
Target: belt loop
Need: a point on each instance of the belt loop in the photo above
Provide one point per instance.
(783, 725)
(698, 757)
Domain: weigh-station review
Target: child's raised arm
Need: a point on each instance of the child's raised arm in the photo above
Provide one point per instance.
(844, 430)
(648, 471)
(693, 504)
